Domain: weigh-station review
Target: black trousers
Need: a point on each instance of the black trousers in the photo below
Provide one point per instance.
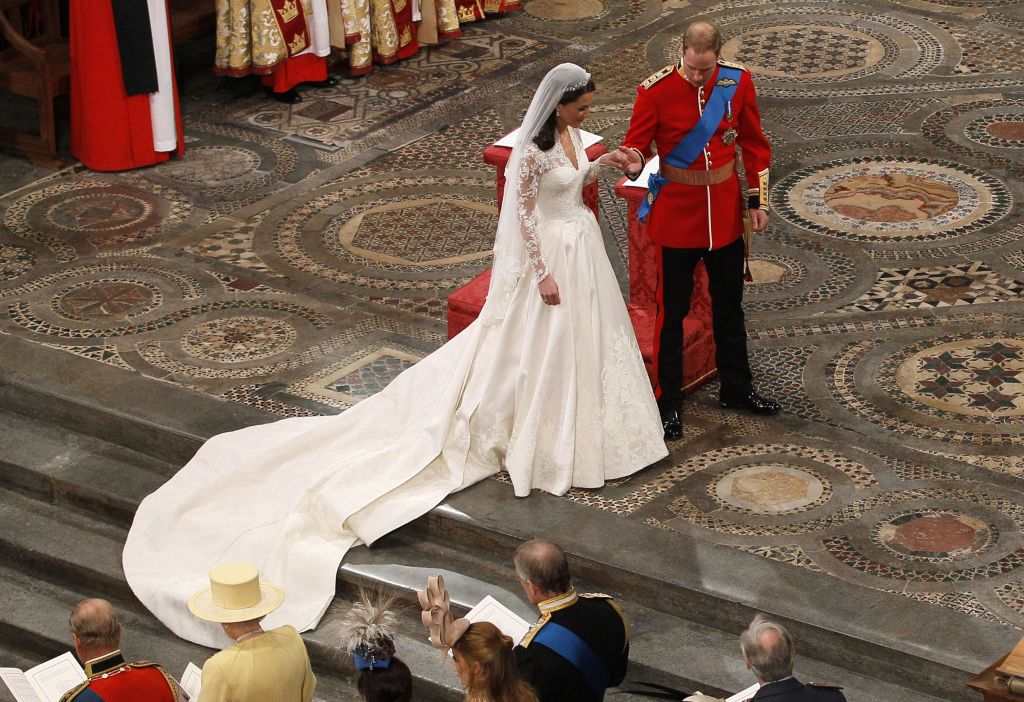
(725, 284)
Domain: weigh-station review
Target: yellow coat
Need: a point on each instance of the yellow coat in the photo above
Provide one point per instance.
(271, 666)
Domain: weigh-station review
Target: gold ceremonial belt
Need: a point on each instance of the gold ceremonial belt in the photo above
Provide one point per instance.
(686, 176)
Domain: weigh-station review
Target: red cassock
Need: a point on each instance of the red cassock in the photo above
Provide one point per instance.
(110, 130)
(699, 216)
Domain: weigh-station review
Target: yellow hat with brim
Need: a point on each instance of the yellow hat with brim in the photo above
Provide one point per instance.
(235, 595)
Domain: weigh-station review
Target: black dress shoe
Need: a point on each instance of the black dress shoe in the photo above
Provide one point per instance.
(751, 401)
(672, 423)
(289, 97)
(328, 82)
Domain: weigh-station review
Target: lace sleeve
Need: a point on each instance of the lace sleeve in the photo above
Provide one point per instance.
(595, 169)
(529, 184)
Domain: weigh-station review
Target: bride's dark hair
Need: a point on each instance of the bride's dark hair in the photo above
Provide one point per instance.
(545, 138)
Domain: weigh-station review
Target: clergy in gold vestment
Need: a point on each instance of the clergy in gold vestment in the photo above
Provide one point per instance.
(285, 41)
(261, 665)
(439, 22)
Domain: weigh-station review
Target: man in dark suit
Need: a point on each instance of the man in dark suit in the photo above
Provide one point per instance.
(768, 652)
(96, 636)
(580, 644)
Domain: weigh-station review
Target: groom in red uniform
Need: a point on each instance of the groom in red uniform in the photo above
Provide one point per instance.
(695, 210)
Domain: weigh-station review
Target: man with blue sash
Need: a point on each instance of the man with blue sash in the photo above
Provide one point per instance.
(698, 112)
(580, 644)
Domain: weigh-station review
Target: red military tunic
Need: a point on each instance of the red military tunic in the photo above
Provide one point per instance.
(699, 216)
(113, 680)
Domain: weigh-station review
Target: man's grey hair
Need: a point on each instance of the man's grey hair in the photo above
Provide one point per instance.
(94, 623)
(543, 563)
(769, 648)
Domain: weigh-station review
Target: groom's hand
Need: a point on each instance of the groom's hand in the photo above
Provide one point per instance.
(634, 164)
(758, 220)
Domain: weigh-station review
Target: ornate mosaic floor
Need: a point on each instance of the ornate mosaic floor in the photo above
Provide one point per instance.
(298, 260)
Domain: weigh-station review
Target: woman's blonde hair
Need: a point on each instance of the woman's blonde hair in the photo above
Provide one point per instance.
(497, 679)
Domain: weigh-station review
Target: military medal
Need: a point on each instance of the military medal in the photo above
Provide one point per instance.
(729, 137)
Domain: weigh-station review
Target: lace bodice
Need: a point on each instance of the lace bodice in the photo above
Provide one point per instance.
(551, 189)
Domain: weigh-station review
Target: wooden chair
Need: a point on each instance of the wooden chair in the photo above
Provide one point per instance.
(192, 18)
(37, 65)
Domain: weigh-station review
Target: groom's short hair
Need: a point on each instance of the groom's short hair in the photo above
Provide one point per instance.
(701, 36)
(544, 564)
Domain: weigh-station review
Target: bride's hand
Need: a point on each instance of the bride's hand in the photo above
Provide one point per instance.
(549, 291)
(634, 164)
(614, 159)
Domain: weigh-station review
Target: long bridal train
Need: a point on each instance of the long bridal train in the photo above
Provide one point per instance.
(556, 395)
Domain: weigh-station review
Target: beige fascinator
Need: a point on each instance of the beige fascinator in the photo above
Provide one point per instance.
(437, 616)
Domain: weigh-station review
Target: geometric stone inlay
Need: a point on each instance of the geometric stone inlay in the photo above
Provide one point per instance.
(238, 339)
(970, 283)
(891, 199)
(426, 232)
(565, 10)
(935, 535)
(769, 488)
(371, 378)
(211, 165)
(763, 271)
(98, 212)
(15, 261)
(116, 299)
(1007, 131)
(805, 51)
(979, 377)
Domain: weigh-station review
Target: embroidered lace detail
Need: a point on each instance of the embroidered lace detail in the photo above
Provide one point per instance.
(535, 164)
(623, 397)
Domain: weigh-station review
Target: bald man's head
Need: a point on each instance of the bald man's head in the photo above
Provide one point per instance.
(543, 563)
(95, 626)
(702, 36)
(768, 649)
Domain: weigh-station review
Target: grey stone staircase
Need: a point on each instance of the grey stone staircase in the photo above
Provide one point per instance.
(81, 444)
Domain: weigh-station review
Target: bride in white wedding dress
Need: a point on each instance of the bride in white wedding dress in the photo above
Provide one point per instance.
(548, 384)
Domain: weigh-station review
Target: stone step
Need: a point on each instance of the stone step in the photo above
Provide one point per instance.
(62, 467)
(147, 415)
(41, 561)
(665, 649)
(34, 623)
(859, 630)
(864, 631)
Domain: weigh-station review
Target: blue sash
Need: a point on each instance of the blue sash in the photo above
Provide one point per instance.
(687, 150)
(575, 650)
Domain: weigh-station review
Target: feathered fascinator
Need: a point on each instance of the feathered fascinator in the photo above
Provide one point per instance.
(368, 632)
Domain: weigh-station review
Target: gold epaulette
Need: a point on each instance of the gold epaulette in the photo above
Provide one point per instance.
(823, 686)
(545, 618)
(658, 75)
(74, 692)
(732, 64)
(598, 595)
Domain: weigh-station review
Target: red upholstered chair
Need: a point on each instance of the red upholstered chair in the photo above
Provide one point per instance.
(698, 340)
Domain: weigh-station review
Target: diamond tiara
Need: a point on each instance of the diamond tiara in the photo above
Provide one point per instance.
(579, 86)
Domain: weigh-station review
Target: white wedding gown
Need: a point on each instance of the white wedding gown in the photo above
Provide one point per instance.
(557, 395)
